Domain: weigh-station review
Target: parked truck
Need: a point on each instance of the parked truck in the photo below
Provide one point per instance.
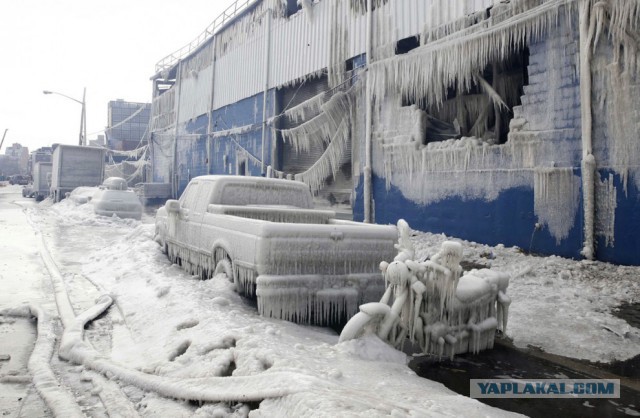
(41, 180)
(74, 166)
(303, 264)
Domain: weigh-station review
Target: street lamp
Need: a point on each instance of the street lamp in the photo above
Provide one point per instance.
(82, 140)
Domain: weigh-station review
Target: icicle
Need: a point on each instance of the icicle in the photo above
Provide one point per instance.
(330, 161)
(429, 70)
(556, 199)
(606, 196)
(304, 110)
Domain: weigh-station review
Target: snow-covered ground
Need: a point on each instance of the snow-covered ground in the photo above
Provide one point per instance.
(169, 337)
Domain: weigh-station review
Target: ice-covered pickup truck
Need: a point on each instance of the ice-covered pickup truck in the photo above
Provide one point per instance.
(302, 264)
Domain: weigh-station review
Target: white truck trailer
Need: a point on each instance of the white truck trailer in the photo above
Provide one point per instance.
(75, 166)
(41, 180)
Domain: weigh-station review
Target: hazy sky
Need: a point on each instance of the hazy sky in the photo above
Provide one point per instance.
(108, 46)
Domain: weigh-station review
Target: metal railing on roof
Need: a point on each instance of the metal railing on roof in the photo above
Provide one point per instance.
(230, 12)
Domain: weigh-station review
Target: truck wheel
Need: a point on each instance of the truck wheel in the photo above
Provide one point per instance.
(224, 267)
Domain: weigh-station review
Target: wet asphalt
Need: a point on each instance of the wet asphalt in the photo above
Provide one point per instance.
(507, 361)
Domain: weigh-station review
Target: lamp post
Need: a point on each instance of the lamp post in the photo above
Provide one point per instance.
(82, 139)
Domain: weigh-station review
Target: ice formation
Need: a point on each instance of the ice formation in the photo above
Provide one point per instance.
(455, 60)
(606, 196)
(433, 304)
(331, 128)
(556, 199)
(452, 56)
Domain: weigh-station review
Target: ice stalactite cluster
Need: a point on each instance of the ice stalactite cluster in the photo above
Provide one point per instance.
(616, 24)
(315, 281)
(306, 299)
(556, 199)
(360, 6)
(322, 127)
(307, 109)
(339, 41)
(433, 32)
(433, 304)
(455, 60)
(331, 128)
(432, 172)
(246, 26)
(279, 215)
(383, 40)
(606, 196)
(164, 110)
(330, 161)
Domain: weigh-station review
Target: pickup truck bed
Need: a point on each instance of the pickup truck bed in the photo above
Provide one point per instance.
(302, 264)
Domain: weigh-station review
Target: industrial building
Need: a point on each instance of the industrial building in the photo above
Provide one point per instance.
(512, 122)
(128, 124)
(15, 160)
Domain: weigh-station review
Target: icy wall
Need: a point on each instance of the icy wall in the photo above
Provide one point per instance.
(524, 192)
(162, 151)
(236, 142)
(616, 113)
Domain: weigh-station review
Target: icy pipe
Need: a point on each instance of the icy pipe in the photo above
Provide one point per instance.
(213, 389)
(60, 401)
(209, 389)
(368, 198)
(588, 159)
(174, 170)
(210, 113)
(267, 41)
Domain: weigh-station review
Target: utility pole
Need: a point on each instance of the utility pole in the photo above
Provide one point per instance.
(3, 136)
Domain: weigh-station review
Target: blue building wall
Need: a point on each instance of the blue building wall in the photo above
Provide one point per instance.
(508, 220)
(230, 150)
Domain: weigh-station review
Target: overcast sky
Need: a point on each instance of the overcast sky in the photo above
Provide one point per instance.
(108, 46)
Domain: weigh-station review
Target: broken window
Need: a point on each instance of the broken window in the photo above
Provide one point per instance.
(483, 109)
(407, 44)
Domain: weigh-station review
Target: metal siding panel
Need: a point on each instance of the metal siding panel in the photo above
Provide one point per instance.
(195, 95)
(240, 73)
(299, 47)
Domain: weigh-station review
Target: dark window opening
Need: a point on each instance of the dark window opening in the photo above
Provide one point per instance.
(349, 65)
(242, 168)
(292, 7)
(161, 86)
(472, 113)
(407, 44)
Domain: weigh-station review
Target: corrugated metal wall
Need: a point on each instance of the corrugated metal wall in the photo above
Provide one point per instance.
(240, 73)
(196, 84)
(300, 45)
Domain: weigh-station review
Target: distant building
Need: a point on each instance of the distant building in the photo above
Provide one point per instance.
(98, 142)
(127, 125)
(16, 160)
